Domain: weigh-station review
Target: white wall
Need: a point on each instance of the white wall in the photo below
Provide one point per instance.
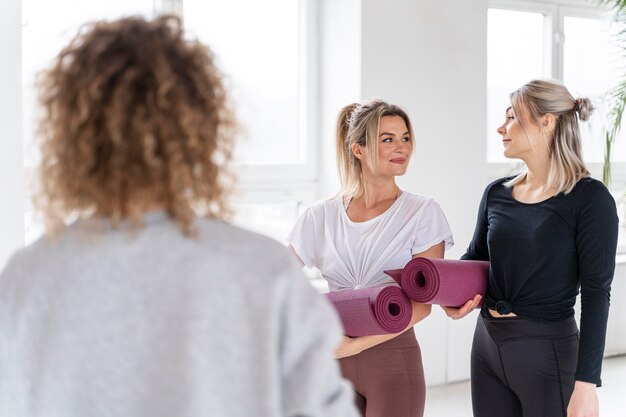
(11, 161)
(428, 56)
(615, 334)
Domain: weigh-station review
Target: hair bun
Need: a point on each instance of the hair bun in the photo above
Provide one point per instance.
(584, 108)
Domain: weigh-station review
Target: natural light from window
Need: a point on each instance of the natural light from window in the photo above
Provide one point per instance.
(515, 54)
(258, 50)
(43, 37)
(591, 67)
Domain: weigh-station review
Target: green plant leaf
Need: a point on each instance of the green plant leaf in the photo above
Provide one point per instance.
(616, 97)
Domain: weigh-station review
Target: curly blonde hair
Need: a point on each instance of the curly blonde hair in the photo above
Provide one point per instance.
(135, 117)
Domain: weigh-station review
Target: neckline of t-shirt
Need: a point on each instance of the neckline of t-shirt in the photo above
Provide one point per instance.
(101, 222)
(343, 206)
(522, 203)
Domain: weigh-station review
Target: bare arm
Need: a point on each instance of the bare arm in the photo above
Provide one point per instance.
(584, 401)
(352, 346)
(295, 255)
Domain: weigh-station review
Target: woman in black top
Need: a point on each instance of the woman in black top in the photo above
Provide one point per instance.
(548, 233)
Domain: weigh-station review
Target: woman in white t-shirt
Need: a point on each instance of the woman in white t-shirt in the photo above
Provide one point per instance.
(372, 226)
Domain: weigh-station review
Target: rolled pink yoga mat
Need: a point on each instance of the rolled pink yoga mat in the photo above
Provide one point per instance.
(370, 311)
(447, 282)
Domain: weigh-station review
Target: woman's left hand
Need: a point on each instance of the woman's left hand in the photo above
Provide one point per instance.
(458, 313)
(584, 401)
(349, 346)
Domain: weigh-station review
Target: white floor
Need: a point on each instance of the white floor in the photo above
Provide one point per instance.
(453, 400)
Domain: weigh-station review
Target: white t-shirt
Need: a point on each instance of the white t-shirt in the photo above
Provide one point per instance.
(355, 254)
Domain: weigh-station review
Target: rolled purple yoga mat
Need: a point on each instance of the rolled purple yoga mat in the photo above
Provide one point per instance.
(447, 282)
(369, 311)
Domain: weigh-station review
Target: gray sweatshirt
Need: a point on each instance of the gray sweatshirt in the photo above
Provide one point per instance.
(106, 322)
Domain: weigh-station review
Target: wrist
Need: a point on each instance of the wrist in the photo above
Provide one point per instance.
(356, 345)
(584, 385)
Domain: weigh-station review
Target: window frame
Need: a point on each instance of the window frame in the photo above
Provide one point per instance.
(555, 12)
(263, 183)
(269, 183)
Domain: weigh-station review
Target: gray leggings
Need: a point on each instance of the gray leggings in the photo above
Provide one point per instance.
(522, 368)
(388, 379)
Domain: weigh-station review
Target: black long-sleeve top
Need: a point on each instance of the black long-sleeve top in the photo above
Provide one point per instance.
(542, 254)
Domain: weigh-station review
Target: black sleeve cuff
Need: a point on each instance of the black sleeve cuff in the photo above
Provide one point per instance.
(590, 379)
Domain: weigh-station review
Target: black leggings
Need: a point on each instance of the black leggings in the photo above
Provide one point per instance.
(522, 368)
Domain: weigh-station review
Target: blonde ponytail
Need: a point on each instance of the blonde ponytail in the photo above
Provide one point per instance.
(358, 124)
(345, 158)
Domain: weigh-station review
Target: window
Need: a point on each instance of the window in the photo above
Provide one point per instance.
(268, 56)
(42, 38)
(516, 51)
(562, 40)
(271, 72)
(550, 39)
(263, 69)
(590, 66)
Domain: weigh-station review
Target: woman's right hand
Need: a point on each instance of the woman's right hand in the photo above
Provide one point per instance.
(349, 346)
(458, 313)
